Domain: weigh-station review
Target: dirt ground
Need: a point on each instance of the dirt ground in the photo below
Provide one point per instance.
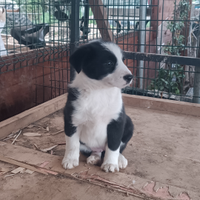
(163, 155)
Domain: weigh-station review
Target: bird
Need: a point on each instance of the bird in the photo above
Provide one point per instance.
(84, 29)
(118, 26)
(59, 14)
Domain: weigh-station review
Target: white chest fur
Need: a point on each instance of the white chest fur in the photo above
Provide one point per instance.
(94, 110)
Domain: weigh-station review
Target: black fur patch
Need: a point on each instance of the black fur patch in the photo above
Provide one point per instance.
(115, 131)
(70, 129)
(94, 60)
(120, 130)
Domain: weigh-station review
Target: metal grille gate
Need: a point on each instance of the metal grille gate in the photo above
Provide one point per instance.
(34, 70)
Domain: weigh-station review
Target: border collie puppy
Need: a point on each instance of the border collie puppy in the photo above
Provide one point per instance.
(94, 115)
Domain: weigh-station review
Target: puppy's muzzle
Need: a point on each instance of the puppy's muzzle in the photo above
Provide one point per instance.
(128, 78)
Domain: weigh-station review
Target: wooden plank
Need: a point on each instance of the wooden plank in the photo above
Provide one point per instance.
(155, 18)
(21, 164)
(118, 181)
(29, 116)
(100, 15)
(36, 158)
(162, 105)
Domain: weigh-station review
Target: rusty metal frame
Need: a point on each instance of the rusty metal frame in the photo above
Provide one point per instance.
(169, 59)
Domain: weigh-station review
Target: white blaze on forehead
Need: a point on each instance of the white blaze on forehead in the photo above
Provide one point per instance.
(114, 49)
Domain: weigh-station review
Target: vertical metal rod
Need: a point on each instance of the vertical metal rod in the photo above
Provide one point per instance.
(142, 37)
(74, 36)
(86, 19)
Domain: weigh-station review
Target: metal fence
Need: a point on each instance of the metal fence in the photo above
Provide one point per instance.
(163, 36)
(161, 27)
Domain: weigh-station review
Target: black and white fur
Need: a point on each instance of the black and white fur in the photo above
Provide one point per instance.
(94, 115)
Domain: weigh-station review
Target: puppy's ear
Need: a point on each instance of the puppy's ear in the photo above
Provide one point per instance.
(78, 57)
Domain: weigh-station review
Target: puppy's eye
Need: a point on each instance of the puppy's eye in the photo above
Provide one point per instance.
(109, 64)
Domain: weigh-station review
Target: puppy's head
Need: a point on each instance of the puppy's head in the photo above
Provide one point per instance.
(102, 61)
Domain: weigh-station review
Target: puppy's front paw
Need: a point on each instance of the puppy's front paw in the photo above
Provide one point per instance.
(94, 159)
(70, 163)
(123, 162)
(109, 167)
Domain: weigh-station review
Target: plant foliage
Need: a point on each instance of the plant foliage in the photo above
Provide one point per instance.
(171, 78)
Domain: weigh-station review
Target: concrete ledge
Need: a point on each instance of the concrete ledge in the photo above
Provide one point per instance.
(178, 107)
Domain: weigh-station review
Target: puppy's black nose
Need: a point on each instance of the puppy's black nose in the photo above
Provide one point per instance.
(128, 78)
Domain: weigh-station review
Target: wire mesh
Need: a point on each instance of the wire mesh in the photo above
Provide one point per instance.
(38, 36)
(162, 27)
(34, 51)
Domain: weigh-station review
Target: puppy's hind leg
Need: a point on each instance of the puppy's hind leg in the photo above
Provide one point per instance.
(94, 158)
(122, 161)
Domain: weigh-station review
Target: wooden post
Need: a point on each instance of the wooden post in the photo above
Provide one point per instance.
(100, 15)
(155, 18)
